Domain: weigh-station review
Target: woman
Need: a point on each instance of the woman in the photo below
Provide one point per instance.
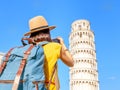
(39, 32)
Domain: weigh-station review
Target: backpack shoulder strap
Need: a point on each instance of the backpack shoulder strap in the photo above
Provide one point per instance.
(53, 73)
(21, 68)
(57, 83)
(3, 65)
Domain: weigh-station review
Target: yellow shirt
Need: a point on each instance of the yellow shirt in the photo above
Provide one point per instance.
(52, 53)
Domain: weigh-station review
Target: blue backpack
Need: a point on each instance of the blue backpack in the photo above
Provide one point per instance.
(23, 69)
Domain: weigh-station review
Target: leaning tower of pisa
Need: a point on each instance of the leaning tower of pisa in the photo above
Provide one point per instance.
(84, 74)
(1, 55)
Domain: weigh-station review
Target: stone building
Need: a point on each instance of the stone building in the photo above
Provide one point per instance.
(1, 55)
(84, 74)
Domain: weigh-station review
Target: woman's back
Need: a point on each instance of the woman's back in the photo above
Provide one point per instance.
(52, 54)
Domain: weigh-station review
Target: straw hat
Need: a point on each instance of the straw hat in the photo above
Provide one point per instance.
(38, 23)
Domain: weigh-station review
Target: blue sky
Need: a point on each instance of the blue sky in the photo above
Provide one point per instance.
(102, 14)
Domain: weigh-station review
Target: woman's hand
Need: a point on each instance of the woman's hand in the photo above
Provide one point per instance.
(61, 40)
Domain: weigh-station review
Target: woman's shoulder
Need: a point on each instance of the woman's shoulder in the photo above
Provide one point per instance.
(52, 45)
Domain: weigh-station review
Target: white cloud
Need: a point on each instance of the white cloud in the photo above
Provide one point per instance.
(112, 78)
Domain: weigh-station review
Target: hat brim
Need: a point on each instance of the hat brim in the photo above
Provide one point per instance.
(49, 27)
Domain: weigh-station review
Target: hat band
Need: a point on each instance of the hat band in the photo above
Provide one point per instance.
(39, 28)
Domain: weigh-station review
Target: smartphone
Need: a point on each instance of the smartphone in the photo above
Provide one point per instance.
(56, 40)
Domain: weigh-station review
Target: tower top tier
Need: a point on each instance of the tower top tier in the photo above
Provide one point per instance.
(80, 25)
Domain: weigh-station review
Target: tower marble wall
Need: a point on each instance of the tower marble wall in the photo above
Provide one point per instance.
(1, 55)
(84, 74)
